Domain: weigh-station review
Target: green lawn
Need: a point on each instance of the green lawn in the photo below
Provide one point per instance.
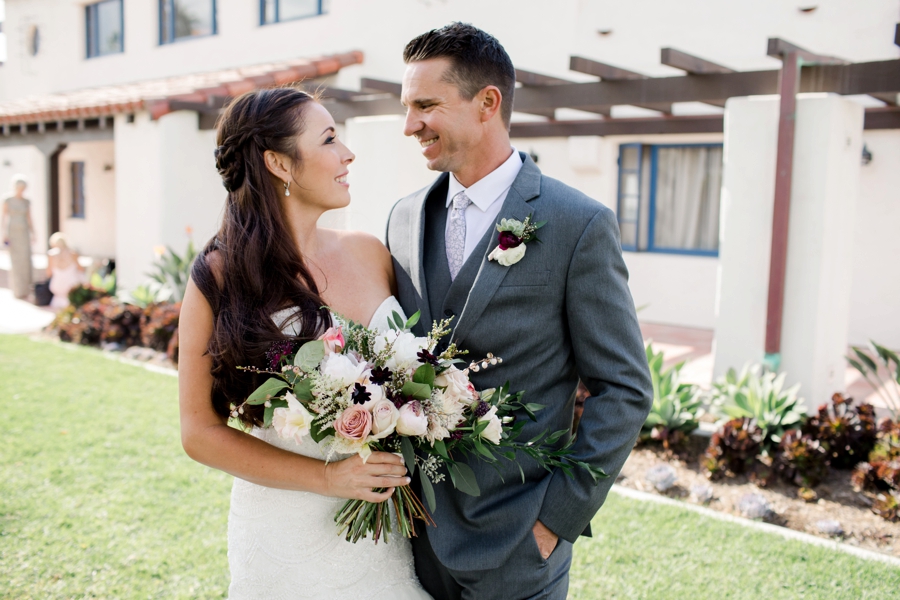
(97, 500)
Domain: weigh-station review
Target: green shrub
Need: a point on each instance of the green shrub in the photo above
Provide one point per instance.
(676, 406)
(758, 394)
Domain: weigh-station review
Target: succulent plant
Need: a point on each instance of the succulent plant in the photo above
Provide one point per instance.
(801, 460)
(732, 449)
(846, 432)
(676, 406)
(173, 271)
(759, 394)
(887, 506)
(866, 361)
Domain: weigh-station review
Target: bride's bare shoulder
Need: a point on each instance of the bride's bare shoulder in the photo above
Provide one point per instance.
(365, 248)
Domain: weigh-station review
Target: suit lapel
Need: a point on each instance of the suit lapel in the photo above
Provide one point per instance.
(417, 249)
(525, 188)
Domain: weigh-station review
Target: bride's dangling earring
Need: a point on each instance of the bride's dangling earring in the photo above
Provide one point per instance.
(287, 188)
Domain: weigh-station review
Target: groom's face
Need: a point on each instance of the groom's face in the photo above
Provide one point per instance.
(445, 124)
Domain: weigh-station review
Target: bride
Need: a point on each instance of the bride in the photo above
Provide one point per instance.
(265, 278)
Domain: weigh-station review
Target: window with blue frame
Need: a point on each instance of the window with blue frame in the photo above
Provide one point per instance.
(105, 28)
(183, 19)
(669, 197)
(276, 11)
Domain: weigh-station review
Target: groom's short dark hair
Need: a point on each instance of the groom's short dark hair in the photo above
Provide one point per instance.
(477, 58)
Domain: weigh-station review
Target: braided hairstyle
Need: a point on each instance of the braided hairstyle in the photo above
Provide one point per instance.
(252, 267)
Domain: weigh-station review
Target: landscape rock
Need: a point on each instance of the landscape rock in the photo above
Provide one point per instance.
(701, 493)
(754, 506)
(662, 477)
(829, 527)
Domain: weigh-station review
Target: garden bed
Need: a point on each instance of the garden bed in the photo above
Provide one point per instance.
(837, 501)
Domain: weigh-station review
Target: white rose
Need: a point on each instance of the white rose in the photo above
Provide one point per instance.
(412, 420)
(292, 422)
(405, 348)
(344, 368)
(495, 427)
(507, 257)
(456, 385)
(384, 418)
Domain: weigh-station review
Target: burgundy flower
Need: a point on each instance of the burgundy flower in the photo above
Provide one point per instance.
(380, 375)
(508, 240)
(360, 394)
(277, 351)
(426, 357)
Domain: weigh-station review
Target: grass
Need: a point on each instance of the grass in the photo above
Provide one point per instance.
(97, 500)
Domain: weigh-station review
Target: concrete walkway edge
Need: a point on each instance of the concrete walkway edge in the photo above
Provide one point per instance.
(784, 532)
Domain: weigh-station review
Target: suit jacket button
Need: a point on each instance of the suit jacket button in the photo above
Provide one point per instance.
(448, 313)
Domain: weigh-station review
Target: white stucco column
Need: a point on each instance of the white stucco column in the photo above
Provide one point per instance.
(388, 166)
(166, 181)
(819, 263)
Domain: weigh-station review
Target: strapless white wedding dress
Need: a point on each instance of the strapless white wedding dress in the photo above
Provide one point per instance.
(285, 545)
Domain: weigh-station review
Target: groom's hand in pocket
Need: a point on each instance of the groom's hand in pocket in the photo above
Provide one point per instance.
(546, 539)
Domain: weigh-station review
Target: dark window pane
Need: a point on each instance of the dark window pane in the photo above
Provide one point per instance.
(78, 189)
(109, 27)
(268, 11)
(688, 183)
(629, 234)
(193, 18)
(294, 9)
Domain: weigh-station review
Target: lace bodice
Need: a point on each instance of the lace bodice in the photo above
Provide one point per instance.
(284, 544)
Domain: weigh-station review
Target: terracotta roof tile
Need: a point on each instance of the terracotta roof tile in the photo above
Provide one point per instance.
(154, 95)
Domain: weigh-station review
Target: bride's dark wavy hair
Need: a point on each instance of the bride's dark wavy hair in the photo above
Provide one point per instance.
(253, 267)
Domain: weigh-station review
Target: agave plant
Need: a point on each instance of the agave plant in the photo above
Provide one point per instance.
(759, 394)
(866, 362)
(676, 406)
(173, 271)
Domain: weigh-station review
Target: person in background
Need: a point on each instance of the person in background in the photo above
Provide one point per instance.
(62, 269)
(18, 236)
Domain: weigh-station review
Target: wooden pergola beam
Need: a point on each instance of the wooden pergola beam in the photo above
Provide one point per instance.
(608, 72)
(689, 63)
(779, 48)
(532, 79)
(692, 65)
(636, 126)
(848, 79)
(379, 85)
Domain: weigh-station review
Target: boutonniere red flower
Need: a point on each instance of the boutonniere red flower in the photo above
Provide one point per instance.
(514, 235)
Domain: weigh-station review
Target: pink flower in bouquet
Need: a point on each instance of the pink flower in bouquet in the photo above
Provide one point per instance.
(412, 420)
(456, 386)
(334, 340)
(293, 421)
(384, 418)
(355, 423)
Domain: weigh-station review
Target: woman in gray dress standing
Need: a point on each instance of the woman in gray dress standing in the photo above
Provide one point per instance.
(18, 235)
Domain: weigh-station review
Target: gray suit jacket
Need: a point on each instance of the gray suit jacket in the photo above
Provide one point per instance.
(562, 313)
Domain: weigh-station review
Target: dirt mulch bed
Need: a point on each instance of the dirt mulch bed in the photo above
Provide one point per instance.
(836, 499)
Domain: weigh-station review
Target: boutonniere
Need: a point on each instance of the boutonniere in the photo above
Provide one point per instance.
(514, 235)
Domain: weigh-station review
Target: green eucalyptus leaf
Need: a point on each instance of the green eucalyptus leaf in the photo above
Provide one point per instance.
(409, 455)
(419, 391)
(428, 491)
(464, 479)
(425, 374)
(310, 355)
(266, 391)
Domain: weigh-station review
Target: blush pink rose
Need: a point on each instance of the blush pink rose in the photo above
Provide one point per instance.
(334, 340)
(355, 423)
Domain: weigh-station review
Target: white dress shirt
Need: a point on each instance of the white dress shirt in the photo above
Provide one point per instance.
(487, 196)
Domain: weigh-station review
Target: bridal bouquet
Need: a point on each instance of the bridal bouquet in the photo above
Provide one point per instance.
(355, 391)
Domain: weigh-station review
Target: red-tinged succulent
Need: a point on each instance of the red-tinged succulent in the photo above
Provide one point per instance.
(159, 324)
(733, 449)
(801, 460)
(887, 506)
(846, 432)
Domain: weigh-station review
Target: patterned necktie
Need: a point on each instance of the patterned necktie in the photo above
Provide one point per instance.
(456, 233)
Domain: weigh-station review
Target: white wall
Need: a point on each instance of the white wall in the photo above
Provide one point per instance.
(95, 234)
(819, 256)
(166, 182)
(875, 293)
(30, 162)
(733, 34)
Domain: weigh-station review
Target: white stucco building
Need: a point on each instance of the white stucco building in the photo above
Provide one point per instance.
(100, 101)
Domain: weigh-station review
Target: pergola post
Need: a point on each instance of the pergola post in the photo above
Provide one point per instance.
(788, 85)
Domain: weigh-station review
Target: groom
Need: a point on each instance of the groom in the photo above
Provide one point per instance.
(562, 312)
